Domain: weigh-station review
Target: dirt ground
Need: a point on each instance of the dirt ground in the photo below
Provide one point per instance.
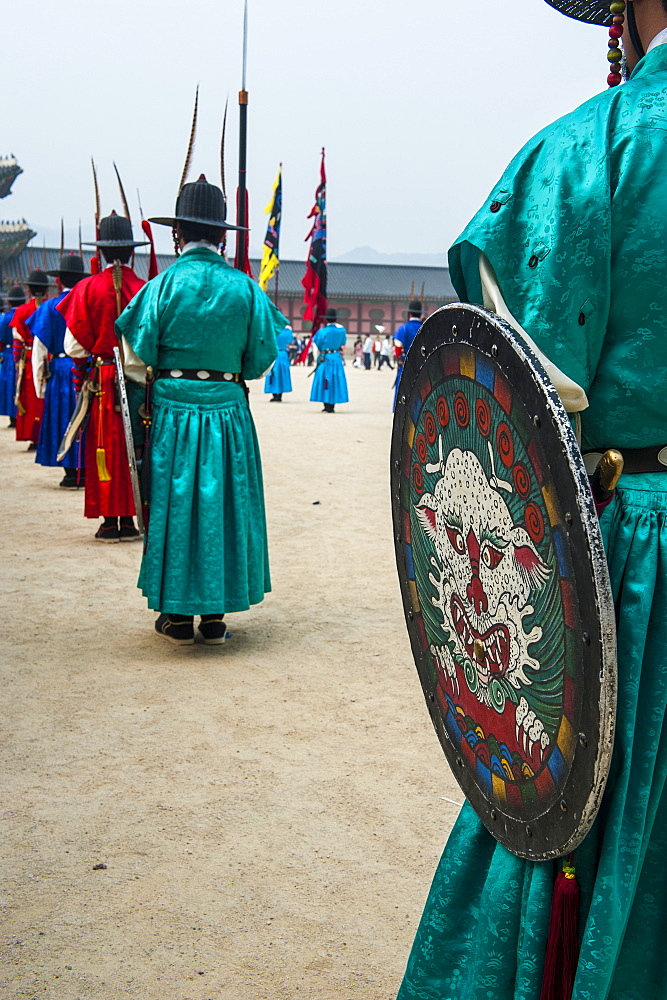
(269, 812)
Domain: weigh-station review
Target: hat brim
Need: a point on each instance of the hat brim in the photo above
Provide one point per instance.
(68, 274)
(215, 224)
(589, 11)
(117, 243)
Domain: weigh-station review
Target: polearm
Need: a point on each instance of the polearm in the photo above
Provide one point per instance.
(241, 254)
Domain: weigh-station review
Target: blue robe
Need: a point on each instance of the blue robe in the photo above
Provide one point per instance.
(279, 379)
(329, 382)
(405, 336)
(48, 325)
(7, 368)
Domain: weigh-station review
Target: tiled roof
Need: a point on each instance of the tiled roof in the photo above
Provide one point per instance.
(366, 281)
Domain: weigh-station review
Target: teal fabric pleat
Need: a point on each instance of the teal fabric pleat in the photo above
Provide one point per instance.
(207, 548)
(484, 928)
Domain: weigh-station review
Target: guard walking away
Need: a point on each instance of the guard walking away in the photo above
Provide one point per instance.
(15, 297)
(330, 381)
(52, 372)
(279, 379)
(570, 248)
(203, 328)
(403, 338)
(90, 310)
(29, 406)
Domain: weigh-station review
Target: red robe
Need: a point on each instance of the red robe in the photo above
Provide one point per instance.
(90, 312)
(29, 415)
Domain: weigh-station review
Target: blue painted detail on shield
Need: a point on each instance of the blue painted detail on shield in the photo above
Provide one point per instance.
(483, 776)
(485, 372)
(558, 767)
(561, 552)
(409, 562)
(416, 410)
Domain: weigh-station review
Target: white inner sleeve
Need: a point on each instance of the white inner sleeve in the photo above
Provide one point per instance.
(134, 368)
(572, 396)
(72, 347)
(40, 360)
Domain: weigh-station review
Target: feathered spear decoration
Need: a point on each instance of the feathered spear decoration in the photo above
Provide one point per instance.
(95, 261)
(222, 152)
(62, 236)
(126, 207)
(146, 226)
(191, 144)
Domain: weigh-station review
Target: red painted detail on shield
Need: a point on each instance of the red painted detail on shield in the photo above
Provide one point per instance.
(406, 528)
(534, 457)
(505, 445)
(514, 797)
(425, 387)
(569, 605)
(430, 516)
(422, 631)
(526, 559)
(475, 591)
(503, 393)
(450, 362)
(570, 698)
(545, 784)
(534, 523)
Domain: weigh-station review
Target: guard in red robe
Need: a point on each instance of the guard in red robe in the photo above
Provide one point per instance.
(90, 311)
(29, 407)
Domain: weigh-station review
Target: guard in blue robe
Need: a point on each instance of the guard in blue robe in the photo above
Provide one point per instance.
(279, 379)
(403, 338)
(330, 383)
(16, 297)
(52, 375)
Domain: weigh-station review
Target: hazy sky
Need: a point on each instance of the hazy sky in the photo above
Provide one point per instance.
(419, 105)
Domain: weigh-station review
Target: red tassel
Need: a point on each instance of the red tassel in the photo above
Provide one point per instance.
(152, 260)
(560, 964)
(95, 263)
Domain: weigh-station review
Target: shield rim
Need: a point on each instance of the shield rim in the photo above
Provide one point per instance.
(416, 359)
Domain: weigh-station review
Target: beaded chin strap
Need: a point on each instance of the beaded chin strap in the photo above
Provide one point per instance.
(615, 55)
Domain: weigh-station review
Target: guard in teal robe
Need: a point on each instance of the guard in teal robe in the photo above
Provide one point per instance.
(575, 234)
(204, 328)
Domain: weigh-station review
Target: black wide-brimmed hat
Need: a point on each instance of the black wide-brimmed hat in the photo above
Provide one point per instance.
(37, 277)
(331, 314)
(415, 306)
(16, 295)
(71, 266)
(201, 203)
(116, 231)
(591, 11)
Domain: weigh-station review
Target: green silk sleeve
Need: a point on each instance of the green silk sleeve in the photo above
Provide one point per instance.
(545, 229)
(266, 322)
(139, 322)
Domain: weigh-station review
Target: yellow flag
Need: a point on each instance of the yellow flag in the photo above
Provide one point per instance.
(274, 209)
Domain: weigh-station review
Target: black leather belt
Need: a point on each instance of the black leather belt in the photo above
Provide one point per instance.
(199, 374)
(636, 460)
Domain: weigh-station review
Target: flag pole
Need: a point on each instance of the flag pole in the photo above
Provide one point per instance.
(241, 193)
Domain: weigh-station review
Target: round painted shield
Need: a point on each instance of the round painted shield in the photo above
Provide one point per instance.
(504, 581)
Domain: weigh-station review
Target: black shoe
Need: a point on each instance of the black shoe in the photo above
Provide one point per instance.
(213, 630)
(69, 483)
(12, 422)
(328, 408)
(177, 629)
(128, 533)
(277, 397)
(107, 533)
(32, 446)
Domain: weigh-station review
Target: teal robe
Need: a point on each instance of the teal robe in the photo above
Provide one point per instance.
(207, 550)
(576, 232)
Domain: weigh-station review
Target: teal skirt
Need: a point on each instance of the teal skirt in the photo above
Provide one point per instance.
(207, 549)
(484, 928)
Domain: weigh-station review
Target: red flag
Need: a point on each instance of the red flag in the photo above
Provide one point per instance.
(152, 261)
(315, 279)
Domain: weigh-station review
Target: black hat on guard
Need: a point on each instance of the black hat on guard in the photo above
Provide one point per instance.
(201, 203)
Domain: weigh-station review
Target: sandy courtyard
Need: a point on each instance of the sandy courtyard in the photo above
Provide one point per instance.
(270, 812)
